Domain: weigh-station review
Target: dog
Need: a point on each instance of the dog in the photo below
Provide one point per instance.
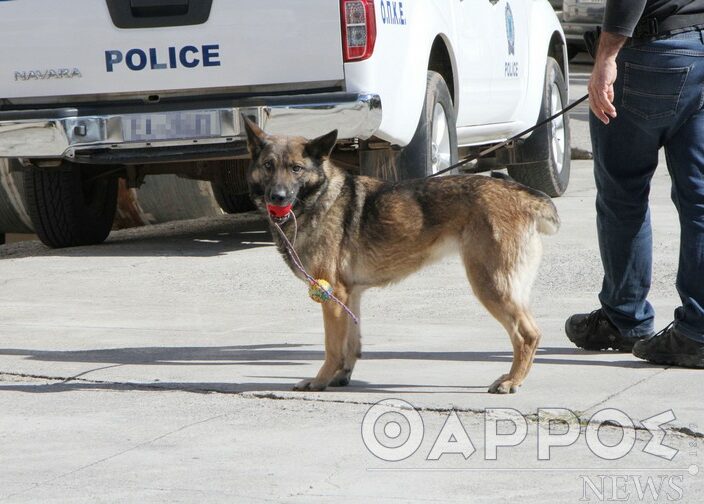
(359, 232)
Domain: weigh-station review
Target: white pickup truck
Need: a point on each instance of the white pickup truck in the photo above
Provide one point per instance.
(95, 90)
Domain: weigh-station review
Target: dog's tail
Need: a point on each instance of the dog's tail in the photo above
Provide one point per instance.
(539, 206)
(547, 221)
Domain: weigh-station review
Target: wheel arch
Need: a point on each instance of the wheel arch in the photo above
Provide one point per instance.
(442, 61)
(558, 50)
(547, 40)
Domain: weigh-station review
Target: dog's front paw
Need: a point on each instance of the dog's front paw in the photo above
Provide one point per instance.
(310, 384)
(503, 386)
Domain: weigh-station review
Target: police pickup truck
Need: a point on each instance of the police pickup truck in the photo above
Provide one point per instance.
(96, 90)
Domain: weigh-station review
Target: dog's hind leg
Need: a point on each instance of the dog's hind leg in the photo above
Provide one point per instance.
(525, 343)
(341, 345)
(502, 283)
(533, 329)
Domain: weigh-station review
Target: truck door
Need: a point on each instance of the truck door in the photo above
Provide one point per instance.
(510, 62)
(476, 25)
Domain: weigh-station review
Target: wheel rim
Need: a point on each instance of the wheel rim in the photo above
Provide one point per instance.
(557, 129)
(441, 157)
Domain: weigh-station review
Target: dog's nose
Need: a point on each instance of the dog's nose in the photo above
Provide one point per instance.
(278, 196)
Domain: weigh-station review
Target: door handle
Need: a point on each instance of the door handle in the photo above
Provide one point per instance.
(158, 8)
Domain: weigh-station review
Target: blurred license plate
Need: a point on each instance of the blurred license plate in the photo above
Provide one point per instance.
(171, 126)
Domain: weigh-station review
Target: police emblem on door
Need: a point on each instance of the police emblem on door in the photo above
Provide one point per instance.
(510, 31)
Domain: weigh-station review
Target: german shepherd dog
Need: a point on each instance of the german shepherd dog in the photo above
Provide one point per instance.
(359, 232)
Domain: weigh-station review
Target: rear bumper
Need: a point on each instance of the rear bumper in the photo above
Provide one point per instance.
(80, 135)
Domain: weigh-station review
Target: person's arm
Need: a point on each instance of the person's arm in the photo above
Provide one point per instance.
(601, 83)
(622, 16)
(620, 19)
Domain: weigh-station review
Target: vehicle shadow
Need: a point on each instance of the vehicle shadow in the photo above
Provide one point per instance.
(205, 237)
(272, 355)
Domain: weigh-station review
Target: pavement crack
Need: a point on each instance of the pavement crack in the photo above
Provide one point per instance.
(687, 432)
(619, 392)
(76, 377)
(32, 376)
(530, 417)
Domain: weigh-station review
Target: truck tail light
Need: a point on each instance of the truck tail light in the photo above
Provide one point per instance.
(358, 29)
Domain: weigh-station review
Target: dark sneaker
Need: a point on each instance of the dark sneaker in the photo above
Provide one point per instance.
(672, 349)
(594, 331)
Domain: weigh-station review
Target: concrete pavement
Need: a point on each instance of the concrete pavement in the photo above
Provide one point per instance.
(158, 368)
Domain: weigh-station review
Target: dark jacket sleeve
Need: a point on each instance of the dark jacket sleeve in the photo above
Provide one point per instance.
(622, 16)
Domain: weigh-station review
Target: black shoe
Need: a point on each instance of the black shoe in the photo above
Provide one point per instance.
(672, 349)
(594, 331)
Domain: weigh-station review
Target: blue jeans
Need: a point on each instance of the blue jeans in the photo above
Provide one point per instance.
(659, 99)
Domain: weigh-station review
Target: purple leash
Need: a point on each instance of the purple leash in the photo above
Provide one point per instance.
(297, 261)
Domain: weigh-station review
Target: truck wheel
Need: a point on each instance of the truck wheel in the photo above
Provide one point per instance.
(550, 144)
(69, 206)
(434, 144)
(231, 192)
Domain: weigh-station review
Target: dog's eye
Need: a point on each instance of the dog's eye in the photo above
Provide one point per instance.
(296, 168)
(269, 165)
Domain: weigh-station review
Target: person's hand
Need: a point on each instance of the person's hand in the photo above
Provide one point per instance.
(601, 89)
(601, 83)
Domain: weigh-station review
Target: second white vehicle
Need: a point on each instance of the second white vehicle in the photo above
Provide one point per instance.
(146, 87)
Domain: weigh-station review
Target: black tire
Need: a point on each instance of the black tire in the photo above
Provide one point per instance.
(69, 206)
(545, 155)
(416, 159)
(231, 192)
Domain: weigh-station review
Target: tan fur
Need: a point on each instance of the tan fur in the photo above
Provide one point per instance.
(359, 232)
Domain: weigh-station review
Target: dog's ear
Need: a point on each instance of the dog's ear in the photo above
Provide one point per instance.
(322, 147)
(256, 138)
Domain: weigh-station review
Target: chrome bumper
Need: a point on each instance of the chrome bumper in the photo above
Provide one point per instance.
(68, 133)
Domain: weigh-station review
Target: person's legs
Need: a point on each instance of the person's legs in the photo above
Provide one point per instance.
(685, 157)
(662, 102)
(682, 63)
(682, 342)
(625, 158)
